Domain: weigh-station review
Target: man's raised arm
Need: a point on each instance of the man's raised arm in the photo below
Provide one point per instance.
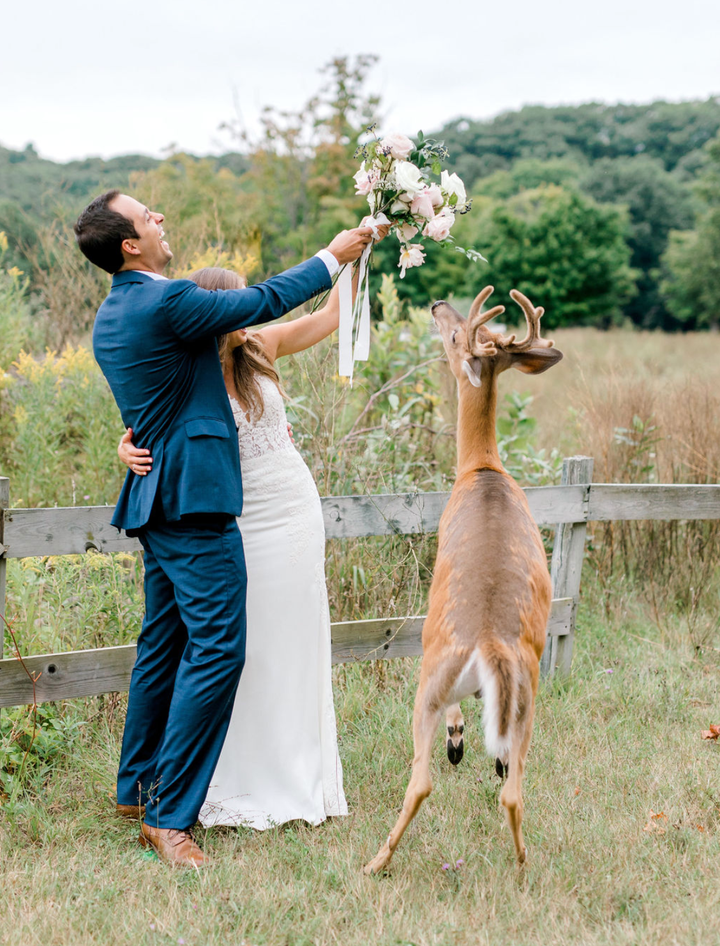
(196, 313)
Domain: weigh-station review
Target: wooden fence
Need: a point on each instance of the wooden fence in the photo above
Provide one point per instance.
(568, 508)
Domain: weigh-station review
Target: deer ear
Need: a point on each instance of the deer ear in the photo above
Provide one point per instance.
(536, 360)
(473, 369)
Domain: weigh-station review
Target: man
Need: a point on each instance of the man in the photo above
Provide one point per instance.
(154, 339)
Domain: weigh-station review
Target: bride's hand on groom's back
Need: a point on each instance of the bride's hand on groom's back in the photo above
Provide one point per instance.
(139, 461)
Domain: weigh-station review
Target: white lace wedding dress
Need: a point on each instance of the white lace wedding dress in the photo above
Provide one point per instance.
(280, 759)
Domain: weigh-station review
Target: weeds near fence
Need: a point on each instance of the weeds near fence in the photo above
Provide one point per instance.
(7, 626)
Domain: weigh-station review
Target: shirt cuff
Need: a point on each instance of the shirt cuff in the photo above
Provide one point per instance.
(332, 264)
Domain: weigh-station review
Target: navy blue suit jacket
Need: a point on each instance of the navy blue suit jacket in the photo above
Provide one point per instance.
(155, 341)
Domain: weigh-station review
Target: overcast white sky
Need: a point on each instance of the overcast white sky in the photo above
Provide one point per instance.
(88, 77)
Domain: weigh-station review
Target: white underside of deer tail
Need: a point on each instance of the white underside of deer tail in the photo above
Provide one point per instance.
(497, 746)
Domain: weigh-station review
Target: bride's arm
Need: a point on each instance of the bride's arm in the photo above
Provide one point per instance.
(288, 338)
(291, 337)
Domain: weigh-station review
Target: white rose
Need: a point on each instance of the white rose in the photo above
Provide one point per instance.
(411, 255)
(400, 206)
(408, 178)
(452, 184)
(399, 146)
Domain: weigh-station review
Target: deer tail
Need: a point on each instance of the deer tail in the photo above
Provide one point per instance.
(499, 692)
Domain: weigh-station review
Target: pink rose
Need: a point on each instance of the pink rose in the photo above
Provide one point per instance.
(436, 196)
(399, 146)
(365, 181)
(422, 205)
(439, 227)
(406, 231)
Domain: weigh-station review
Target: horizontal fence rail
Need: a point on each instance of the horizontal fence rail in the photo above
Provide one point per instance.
(76, 529)
(107, 669)
(567, 508)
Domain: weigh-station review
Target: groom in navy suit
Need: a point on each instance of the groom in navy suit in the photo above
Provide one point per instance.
(154, 339)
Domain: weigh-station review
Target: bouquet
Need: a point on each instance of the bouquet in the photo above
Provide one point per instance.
(396, 175)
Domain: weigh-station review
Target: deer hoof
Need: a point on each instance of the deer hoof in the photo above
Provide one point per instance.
(379, 863)
(455, 743)
(455, 752)
(501, 769)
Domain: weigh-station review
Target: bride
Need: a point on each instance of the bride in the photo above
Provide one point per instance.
(280, 759)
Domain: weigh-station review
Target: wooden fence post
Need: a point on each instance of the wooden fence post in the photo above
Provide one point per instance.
(4, 504)
(566, 568)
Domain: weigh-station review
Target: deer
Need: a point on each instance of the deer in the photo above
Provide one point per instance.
(491, 592)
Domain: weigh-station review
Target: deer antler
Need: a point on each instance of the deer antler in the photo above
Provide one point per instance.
(476, 318)
(532, 317)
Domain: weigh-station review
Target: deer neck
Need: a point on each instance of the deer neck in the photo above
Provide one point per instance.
(476, 436)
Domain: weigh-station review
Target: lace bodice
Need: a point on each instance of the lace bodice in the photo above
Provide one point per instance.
(268, 434)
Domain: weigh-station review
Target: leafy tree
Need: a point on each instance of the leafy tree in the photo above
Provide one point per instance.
(563, 250)
(692, 261)
(657, 203)
(585, 133)
(300, 171)
(39, 186)
(527, 173)
(208, 211)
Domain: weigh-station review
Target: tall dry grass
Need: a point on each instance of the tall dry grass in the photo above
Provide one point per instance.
(646, 406)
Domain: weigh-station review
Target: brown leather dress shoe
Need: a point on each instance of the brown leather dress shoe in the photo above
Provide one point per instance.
(134, 812)
(175, 847)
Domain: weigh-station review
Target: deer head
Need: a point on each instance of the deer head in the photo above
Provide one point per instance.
(476, 353)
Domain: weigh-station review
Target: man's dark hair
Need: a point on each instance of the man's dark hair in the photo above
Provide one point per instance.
(99, 232)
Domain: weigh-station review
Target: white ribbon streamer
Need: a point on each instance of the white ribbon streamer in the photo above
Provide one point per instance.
(354, 328)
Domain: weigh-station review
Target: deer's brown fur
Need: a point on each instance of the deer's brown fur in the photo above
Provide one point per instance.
(491, 592)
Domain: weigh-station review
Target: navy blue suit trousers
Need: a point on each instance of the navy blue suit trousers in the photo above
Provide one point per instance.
(190, 656)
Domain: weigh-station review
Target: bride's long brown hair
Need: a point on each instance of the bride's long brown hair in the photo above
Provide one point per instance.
(248, 360)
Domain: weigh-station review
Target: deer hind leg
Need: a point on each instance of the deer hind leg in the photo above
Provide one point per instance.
(426, 718)
(511, 795)
(455, 729)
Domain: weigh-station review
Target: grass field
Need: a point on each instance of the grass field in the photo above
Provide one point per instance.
(614, 747)
(622, 795)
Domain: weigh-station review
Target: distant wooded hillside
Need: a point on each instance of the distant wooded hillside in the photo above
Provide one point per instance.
(604, 213)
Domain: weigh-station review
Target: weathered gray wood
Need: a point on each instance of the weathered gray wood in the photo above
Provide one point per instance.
(66, 676)
(107, 669)
(551, 505)
(376, 639)
(67, 530)
(609, 502)
(4, 503)
(404, 514)
(566, 567)
(402, 637)
(75, 529)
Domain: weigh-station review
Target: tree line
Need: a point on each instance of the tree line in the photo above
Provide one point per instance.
(607, 214)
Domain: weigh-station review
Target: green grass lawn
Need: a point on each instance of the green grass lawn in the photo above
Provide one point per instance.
(617, 743)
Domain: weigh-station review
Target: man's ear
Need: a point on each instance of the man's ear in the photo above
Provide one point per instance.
(536, 360)
(130, 248)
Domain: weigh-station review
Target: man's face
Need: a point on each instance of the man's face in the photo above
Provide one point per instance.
(148, 251)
